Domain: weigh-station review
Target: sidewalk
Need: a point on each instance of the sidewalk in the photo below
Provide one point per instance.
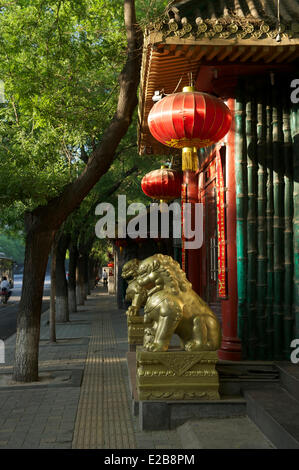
(82, 398)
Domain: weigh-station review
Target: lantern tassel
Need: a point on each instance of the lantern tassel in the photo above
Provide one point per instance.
(189, 159)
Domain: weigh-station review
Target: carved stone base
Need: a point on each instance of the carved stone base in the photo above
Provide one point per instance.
(136, 327)
(177, 375)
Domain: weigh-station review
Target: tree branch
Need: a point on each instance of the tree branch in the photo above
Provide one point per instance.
(118, 184)
(57, 210)
(83, 155)
(124, 150)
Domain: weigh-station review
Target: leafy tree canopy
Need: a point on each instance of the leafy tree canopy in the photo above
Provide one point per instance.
(13, 248)
(59, 61)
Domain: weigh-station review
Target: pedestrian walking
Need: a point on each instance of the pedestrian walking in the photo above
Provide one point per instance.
(105, 277)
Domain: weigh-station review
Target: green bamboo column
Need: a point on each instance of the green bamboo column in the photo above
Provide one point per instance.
(288, 318)
(295, 144)
(269, 224)
(278, 182)
(261, 225)
(250, 128)
(241, 230)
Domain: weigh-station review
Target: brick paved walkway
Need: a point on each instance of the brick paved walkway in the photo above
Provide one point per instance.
(103, 420)
(60, 413)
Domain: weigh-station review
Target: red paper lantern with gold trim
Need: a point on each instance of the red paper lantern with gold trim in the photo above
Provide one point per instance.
(120, 243)
(189, 119)
(164, 184)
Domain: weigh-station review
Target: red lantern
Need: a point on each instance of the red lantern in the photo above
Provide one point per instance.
(110, 265)
(162, 184)
(120, 243)
(189, 119)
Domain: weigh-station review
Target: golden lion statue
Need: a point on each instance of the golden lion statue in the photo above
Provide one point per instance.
(135, 294)
(174, 307)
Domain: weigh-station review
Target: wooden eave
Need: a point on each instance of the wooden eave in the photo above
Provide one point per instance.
(168, 61)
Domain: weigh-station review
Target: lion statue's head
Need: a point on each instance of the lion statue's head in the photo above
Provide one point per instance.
(162, 269)
(130, 269)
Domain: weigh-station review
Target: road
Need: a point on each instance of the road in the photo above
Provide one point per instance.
(8, 313)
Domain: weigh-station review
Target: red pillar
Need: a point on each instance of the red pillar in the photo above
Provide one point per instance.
(190, 179)
(231, 345)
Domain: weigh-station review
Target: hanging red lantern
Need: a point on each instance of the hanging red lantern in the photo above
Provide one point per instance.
(120, 243)
(189, 119)
(140, 240)
(164, 184)
(110, 265)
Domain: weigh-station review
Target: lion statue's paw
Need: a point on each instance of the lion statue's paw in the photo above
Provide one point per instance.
(156, 347)
(193, 346)
(132, 311)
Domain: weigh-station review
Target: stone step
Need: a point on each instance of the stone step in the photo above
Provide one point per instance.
(276, 413)
(226, 433)
(242, 375)
(163, 415)
(289, 377)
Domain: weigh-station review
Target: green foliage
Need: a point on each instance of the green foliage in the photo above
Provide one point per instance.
(83, 220)
(150, 10)
(59, 61)
(12, 219)
(13, 248)
(100, 251)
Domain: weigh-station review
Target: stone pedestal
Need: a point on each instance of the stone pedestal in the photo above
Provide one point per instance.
(136, 327)
(177, 375)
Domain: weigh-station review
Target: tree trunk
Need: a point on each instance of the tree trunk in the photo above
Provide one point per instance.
(86, 274)
(83, 267)
(80, 288)
(44, 221)
(62, 310)
(38, 245)
(91, 275)
(120, 282)
(53, 291)
(73, 250)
